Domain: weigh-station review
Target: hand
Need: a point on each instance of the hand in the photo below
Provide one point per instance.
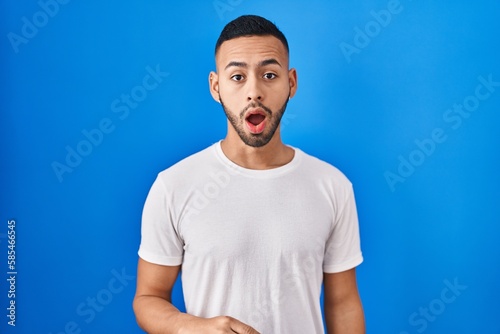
(218, 325)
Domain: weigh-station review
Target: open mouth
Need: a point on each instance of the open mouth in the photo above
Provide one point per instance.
(256, 121)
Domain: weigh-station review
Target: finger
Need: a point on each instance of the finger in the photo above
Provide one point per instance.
(241, 328)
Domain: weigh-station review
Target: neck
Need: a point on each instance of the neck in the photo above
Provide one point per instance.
(272, 155)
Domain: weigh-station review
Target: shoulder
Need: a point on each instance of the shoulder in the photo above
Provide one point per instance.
(323, 170)
(189, 168)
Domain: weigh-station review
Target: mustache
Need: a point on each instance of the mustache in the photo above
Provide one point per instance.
(256, 104)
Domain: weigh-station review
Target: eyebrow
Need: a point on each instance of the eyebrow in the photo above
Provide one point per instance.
(236, 64)
(270, 61)
(263, 63)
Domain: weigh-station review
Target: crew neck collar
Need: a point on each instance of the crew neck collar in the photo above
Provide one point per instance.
(258, 173)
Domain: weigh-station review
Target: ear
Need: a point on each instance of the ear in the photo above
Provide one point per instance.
(292, 79)
(213, 82)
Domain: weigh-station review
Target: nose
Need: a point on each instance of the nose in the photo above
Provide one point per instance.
(254, 92)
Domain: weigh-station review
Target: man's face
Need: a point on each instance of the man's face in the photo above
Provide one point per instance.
(253, 84)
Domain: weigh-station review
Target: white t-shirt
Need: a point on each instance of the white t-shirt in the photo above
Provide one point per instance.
(253, 244)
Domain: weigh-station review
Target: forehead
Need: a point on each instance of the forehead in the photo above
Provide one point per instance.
(251, 50)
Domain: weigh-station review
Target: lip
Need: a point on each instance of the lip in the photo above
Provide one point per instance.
(259, 128)
(255, 111)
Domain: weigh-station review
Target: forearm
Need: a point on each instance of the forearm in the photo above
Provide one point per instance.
(346, 317)
(156, 315)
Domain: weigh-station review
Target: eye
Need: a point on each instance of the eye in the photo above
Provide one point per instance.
(269, 76)
(237, 77)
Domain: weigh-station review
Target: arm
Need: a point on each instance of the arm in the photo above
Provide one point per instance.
(343, 309)
(155, 313)
(152, 303)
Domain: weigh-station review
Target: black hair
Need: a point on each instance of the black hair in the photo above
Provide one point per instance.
(250, 25)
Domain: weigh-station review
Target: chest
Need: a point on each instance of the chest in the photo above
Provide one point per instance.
(262, 221)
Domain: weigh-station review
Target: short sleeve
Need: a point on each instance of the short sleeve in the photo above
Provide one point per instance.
(343, 250)
(160, 241)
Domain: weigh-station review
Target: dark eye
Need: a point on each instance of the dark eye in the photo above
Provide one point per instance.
(270, 76)
(237, 77)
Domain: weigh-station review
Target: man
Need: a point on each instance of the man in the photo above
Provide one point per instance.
(256, 226)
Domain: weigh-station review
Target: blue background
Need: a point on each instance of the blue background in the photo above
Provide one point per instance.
(362, 112)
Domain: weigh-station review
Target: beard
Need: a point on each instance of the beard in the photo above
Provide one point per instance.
(259, 139)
